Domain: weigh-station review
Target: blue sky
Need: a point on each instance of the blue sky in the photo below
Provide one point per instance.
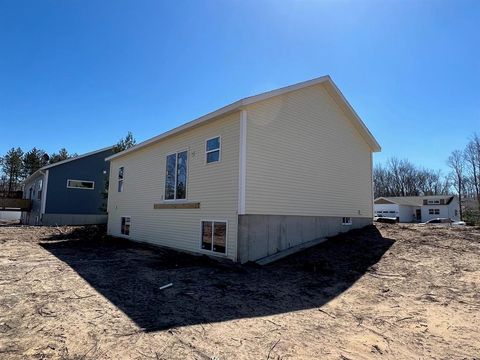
(80, 74)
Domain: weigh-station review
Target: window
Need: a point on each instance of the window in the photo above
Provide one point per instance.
(40, 188)
(125, 228)
(433, 202)
(212, 150)
(176, 176)
(80, 184)
(456, 212)
(434, 211)
(214, 236)
(346, 221)
(120, 179)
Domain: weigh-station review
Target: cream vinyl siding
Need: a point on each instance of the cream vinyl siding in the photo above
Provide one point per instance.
(214, 185)
(305, 157)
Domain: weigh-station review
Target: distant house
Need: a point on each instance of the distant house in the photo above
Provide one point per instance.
(69, 192)
(271, 172)
(418, 208)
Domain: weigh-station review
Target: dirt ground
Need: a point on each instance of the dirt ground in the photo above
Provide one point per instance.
(390, 291)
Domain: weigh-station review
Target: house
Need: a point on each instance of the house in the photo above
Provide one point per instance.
(418, 208)
(69, 192)
(267, 173)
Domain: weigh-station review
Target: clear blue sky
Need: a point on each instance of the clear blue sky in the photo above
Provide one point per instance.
(80, 74)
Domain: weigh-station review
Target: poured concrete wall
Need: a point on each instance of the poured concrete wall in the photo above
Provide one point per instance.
(264, 235)
(73, 219)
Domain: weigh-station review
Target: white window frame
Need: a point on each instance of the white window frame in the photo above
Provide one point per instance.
(80, 188)
(433, 211)
(433, 202)
(211, 252)
(122, 180)
(346, 220)
(176, 173)
(210, 151)
(130, 223)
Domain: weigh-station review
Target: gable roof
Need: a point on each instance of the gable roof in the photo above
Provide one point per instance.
(238, 105)
(412, 200)
(66, 161)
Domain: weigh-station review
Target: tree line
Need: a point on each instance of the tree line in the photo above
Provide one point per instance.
(403, 178)
(17, 165)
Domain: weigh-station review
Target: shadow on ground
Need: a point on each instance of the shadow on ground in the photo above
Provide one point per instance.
(129, 275)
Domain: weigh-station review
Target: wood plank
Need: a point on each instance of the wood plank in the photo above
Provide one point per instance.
(189, 205)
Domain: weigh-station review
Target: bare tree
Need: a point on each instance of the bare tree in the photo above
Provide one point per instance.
(456, 163)
(472, 161)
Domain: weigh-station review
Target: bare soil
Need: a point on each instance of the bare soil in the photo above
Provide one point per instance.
(390, 291)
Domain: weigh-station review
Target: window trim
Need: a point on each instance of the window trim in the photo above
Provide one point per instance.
(176, 170)
(129, 231)
(80, 188)
(345, 222)
(210, 151)
(433, 211)
(211, 252)
(433, 202)
(122, 180)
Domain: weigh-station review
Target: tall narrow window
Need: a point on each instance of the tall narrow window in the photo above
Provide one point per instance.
(212, 149)
(214, 236)
(40, 188)
(176, 176)
(120, 179)
(125, 226)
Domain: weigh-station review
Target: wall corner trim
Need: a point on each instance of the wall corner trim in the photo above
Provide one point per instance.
(242, 162)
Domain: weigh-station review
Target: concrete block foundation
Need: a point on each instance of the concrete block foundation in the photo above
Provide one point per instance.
(260, 236)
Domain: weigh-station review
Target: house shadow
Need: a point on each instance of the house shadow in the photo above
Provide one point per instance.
(129, 275)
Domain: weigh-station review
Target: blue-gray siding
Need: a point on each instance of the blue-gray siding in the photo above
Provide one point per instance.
(63, 200)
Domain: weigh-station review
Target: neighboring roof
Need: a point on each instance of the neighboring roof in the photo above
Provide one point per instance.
(238, 105)
(67, 161)
(412, 200)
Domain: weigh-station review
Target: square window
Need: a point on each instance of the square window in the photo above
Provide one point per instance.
(214, 236)
(346, 221)
(212, 150)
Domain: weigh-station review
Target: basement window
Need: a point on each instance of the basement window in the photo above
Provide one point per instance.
(120, 179)
(212, 150)
(214, 236)
(176, 176)
(80, 184)
(434, 211)
(346, 221)
(125, 228)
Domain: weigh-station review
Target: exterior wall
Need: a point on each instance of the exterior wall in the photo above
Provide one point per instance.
(63, 200)
(264, 235)
(304, 157)
(446, 211)
(214, 185)
(407, 213)
(34, 216)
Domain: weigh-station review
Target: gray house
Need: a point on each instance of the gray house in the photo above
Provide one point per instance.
(69, 192)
